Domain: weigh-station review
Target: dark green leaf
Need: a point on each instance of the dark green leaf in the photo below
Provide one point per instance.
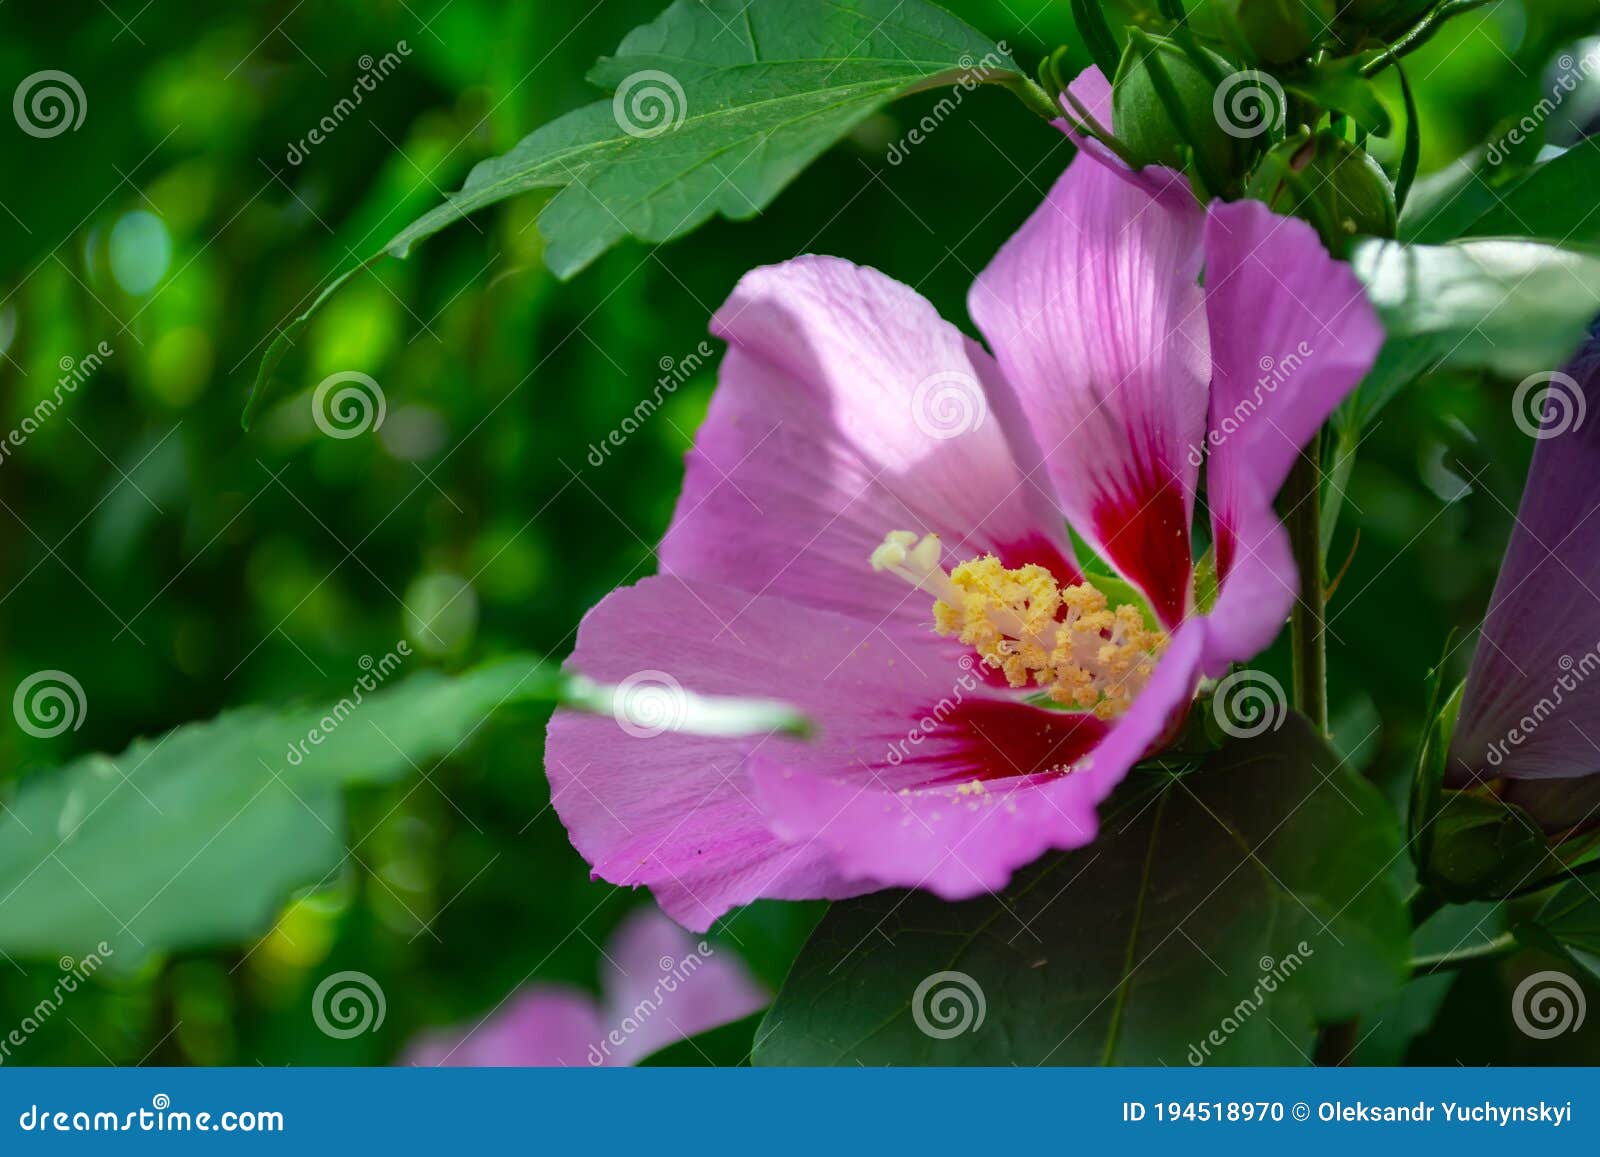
(1551, 201)
(1269, 865)
(198, 837)
(1508, 306)
(727, 1046)
(718, 105)
(1572, 919)
(1342, 87)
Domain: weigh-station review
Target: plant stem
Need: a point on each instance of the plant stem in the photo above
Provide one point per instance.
(1308, 637)
(1502, 945)
(1420, 33)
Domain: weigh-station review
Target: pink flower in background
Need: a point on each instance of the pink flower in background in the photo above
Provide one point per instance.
(659, 985)
(873, 527)
(1530, 711)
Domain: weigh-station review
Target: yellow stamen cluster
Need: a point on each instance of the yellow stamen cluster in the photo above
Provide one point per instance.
(1066, 640)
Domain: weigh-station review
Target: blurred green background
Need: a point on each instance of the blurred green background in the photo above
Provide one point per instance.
(177, 566)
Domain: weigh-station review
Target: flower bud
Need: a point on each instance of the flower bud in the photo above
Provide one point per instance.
(1276, 31)
(1326, 180)
(1163, 107)
(1384, 19)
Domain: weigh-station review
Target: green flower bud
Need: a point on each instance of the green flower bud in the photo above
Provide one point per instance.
(1162, 102)
(1329, 182)
(1382, 18)
(1275, 31)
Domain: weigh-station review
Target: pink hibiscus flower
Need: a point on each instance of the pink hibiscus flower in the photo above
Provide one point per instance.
(873, 527)
(660, 986)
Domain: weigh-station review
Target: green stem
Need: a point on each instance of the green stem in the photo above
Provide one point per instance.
(1420, 33)
(1035, 97)
(1503, 945)
(1307, 633)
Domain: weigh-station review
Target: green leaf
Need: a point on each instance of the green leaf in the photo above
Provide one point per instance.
(1267, 867)
(1551, 201)
(718, 105)
(1572, 919)
(1508, 306)
(724, 1047)
(198, 837)
(1341, 86)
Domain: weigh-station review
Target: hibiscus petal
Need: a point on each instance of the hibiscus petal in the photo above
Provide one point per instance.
(669, 985)
(1531, 708)
(1093, 312)
(543, 1025)
(962, 839)
(847, 408)
(1292, 333)
(675, 811)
